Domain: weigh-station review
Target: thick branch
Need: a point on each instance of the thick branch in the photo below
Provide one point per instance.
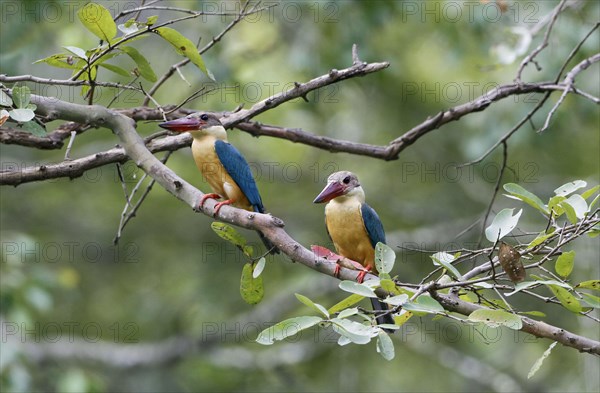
(13, 136)
(270, 226)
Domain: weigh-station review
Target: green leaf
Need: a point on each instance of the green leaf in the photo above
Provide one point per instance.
(554, 205)
(126, 30)
(151, 20)
(359, 289)
(590, 192)
(496, 318)
(402, 318)
(591, 300)
(115, 69)
(385, 346)
(388, 286)
(251, 288)
(566, 298)
(21, 95)
(345, 303)
(76, 51)
(228, 233)
(286, 328)
(396, 300)
(590, 284)
(531, 199)
(348, 312)
(538, 363)
(98, 20)
(539, 239)
(60, 60)
(316, 307)
(527, 284)
(384, 258)
(570, 187)
(503, 224)
(571, 214)
(142, 64)
(424, 303)
(21, 115)
(34, 128)
(564, 263)
(354, 331)
(578, 204)
(444, 259)
(183, 46)
(107, 56)
(534, 313)
(259, 267)
(5, 99)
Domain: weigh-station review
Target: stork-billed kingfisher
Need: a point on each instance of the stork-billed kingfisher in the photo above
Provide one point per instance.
(353, 226)
(221, 164)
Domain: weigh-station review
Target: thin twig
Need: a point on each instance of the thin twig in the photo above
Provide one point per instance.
(495, 193)
(126, 217)
(530, 58)
(569, 82)
(574, 52)
(70, 145)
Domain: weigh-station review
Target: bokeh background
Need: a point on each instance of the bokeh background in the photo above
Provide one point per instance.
(172, 280)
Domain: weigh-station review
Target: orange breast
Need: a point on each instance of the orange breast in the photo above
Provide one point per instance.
(347, 230)
(215, 174)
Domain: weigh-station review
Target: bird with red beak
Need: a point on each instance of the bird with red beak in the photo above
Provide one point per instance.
(221, 164)
(353, 226)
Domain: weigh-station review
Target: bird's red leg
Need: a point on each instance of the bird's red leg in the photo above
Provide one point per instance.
(336, 270)
(363, 272)
(211, 195)
(361, 276)
(220, 204)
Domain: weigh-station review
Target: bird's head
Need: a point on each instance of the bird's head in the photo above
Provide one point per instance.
(341, 184)
(194, 122)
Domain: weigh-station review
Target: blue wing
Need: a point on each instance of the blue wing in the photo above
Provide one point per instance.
(237, 167)
(372, 224)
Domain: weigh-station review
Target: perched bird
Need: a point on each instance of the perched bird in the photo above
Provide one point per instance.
(353, 226)
(221, 164)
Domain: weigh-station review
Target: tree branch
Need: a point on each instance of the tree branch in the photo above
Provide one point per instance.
(531, 326)
(570, 82)
(270, 226)
(530, 58)
(61, 82)
(76, 168)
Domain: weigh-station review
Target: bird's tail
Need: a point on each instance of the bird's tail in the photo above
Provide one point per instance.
(387, 318)
(268, 244)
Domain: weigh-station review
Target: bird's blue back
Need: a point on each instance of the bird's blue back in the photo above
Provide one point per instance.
(372, 224)
(237, 167)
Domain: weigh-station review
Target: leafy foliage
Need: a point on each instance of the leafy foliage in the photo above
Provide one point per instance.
(23, 110)
(98, 20)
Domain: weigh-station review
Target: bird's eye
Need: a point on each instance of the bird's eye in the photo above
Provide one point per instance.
(204, 117)
(346, 180)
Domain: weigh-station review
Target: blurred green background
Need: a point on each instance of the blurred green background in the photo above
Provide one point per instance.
(171, 278)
